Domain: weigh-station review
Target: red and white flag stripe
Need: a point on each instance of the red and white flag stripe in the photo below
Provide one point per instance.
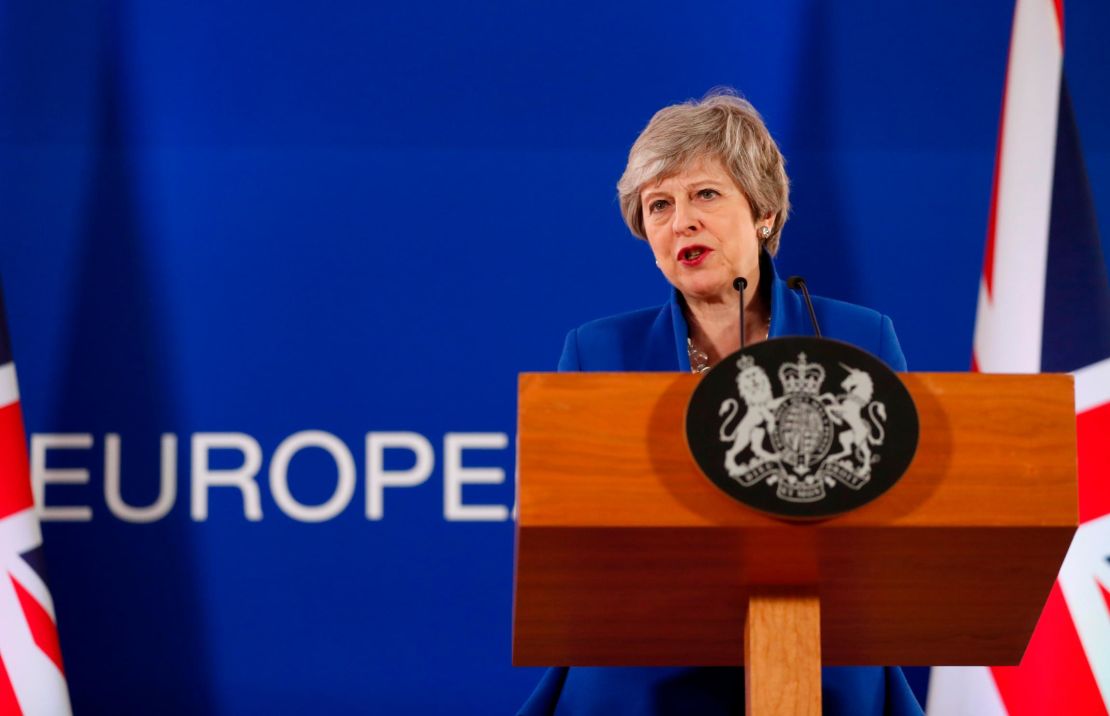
(29, 650)
(32, 678)
(1011, 293)
(1066, 668)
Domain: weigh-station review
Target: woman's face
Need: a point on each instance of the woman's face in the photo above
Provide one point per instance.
(701, 230)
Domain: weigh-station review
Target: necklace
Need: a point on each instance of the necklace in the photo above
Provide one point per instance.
(699, 359)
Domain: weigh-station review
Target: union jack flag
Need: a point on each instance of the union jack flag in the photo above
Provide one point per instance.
(1044, 305)
(31, 677)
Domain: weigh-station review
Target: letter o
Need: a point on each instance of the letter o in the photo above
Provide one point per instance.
(279, 477)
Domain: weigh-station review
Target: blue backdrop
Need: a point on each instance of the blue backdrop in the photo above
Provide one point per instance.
(230, 223)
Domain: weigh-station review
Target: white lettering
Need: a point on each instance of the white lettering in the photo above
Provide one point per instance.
(167, 484)
(241, 477)
(40, 474)
(378, 478)
(279, 476)
(455, 476)
(208, 469)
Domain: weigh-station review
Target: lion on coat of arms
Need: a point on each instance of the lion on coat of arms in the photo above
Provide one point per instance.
(754, 387)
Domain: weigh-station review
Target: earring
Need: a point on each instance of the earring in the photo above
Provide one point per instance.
(765, 232)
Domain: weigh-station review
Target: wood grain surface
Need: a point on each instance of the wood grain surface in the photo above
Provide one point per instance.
(782, 628)
(627, 554)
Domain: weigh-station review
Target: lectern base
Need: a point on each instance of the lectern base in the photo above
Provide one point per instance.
(782, 652)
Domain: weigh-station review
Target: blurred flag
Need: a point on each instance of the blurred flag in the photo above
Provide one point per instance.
(1044, 305)
(31, 678)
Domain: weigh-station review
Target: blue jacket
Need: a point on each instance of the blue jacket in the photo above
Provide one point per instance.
(654, 339)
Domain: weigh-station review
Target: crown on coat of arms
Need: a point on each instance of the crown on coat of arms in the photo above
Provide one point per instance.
(801, 377)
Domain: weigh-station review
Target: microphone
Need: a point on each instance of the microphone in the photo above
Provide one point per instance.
(740, 284)
(796, 282)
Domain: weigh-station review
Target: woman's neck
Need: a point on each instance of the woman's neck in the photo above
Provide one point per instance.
(714, 325)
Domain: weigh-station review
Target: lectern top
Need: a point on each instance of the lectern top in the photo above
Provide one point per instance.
(994, 450)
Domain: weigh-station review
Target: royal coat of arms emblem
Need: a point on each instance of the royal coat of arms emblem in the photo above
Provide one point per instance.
(792, 434)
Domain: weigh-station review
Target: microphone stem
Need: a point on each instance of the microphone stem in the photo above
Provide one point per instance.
(795, 282)
(740, 284)
(809, 306)
(743, 333)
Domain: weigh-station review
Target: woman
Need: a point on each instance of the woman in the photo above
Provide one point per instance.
(705, 185)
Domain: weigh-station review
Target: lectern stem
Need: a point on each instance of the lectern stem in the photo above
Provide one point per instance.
(782, 652)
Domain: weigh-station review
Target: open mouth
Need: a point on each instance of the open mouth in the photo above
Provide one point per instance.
(693, 255)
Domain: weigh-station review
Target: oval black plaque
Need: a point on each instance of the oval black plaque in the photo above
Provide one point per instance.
(802, 428)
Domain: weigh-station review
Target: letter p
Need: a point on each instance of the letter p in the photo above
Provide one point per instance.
(378, 478)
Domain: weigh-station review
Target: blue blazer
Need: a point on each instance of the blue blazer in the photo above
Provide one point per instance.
(654, 339)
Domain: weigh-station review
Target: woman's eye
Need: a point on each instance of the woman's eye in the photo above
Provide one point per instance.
(708, 193)
(657, 205)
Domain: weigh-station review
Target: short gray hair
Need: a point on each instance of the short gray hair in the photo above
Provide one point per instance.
(723, 126)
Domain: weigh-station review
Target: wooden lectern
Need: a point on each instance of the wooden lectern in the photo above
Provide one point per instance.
(627, 555)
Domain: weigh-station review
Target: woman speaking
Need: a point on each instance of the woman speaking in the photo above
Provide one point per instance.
(706, 187)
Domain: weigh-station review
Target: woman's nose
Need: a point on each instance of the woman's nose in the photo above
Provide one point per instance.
(685, 219)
